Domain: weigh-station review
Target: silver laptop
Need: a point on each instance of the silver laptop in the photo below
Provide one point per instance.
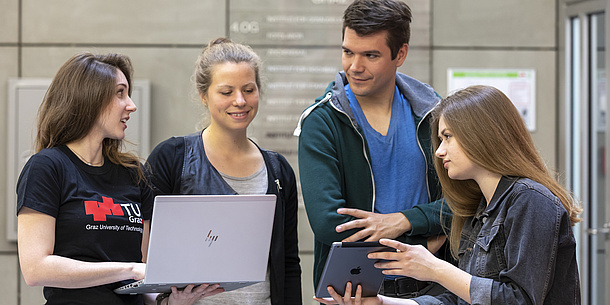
(197, 239)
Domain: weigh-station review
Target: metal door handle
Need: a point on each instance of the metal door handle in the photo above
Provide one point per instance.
(605, 229)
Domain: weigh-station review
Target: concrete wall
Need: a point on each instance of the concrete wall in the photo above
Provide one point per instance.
(164, 38)
(502, 34)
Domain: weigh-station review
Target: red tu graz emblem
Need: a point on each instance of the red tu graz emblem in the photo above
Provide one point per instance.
(99, 210)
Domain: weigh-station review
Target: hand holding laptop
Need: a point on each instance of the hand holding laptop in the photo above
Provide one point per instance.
(190, 294)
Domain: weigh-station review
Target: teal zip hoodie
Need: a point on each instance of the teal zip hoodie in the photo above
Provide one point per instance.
(335, 169)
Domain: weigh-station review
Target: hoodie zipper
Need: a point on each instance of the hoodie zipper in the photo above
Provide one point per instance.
(363, 152)
(297, 130)
(422, 151)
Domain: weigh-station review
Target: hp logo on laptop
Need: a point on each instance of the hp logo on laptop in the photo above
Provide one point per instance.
(211, 238)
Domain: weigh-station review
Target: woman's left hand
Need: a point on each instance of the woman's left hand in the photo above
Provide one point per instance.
(191, 294)
(347, 299)
(412, 261)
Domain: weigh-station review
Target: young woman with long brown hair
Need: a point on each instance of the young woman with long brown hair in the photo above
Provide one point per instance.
(83, 206)
(512, 221)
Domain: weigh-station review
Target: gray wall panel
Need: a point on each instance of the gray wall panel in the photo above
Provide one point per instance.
(9, 269)
(9, 14)
(125, 22)
(8, 63)
(307, 270)
(417, 64)
(297, 23)
(511, 23)
(29, 295)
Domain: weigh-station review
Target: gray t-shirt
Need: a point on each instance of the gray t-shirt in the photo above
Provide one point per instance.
(250, 185)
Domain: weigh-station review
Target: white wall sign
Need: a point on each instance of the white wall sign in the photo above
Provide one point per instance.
(518, 84)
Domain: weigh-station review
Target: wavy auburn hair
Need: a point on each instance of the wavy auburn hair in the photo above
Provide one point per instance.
(492, 134)
(80, 92)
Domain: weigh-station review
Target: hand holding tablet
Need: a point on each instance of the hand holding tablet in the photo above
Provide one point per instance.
(348, 262)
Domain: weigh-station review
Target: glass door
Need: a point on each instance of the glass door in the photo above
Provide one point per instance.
(598, 229)
(585, 117)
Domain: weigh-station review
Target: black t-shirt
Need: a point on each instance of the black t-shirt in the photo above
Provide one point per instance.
(99, 215)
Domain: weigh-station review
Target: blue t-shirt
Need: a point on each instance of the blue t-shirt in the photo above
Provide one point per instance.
(399, 167)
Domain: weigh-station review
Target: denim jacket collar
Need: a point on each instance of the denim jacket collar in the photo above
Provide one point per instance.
(503, 188)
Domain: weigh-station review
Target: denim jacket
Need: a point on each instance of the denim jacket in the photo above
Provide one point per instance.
(519, 249)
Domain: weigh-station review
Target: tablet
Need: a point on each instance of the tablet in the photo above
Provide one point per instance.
(348, 262)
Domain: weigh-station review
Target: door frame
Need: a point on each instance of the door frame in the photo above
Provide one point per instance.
(578, 177)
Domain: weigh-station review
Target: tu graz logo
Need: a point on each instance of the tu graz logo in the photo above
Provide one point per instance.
(99, 210)
(211, 238)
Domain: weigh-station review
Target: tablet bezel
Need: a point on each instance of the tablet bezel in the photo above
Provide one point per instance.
(346, 256)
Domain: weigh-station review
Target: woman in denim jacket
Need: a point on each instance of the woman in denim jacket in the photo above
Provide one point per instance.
(511, 228)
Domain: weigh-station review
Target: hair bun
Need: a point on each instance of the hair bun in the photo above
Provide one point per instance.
(219, 40)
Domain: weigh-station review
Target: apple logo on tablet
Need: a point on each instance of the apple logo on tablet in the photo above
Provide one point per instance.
(355, 270)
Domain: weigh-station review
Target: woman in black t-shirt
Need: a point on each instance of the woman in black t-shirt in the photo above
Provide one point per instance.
(84, 207)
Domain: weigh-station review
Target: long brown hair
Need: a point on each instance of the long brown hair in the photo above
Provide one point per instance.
(492, 134)
(80, 92)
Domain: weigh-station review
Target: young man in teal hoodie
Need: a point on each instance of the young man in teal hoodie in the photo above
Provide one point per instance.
(365, 161)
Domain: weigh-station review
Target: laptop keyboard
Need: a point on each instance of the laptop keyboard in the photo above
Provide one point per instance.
(132, 285)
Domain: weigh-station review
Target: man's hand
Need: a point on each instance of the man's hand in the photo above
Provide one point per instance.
(373, 226)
